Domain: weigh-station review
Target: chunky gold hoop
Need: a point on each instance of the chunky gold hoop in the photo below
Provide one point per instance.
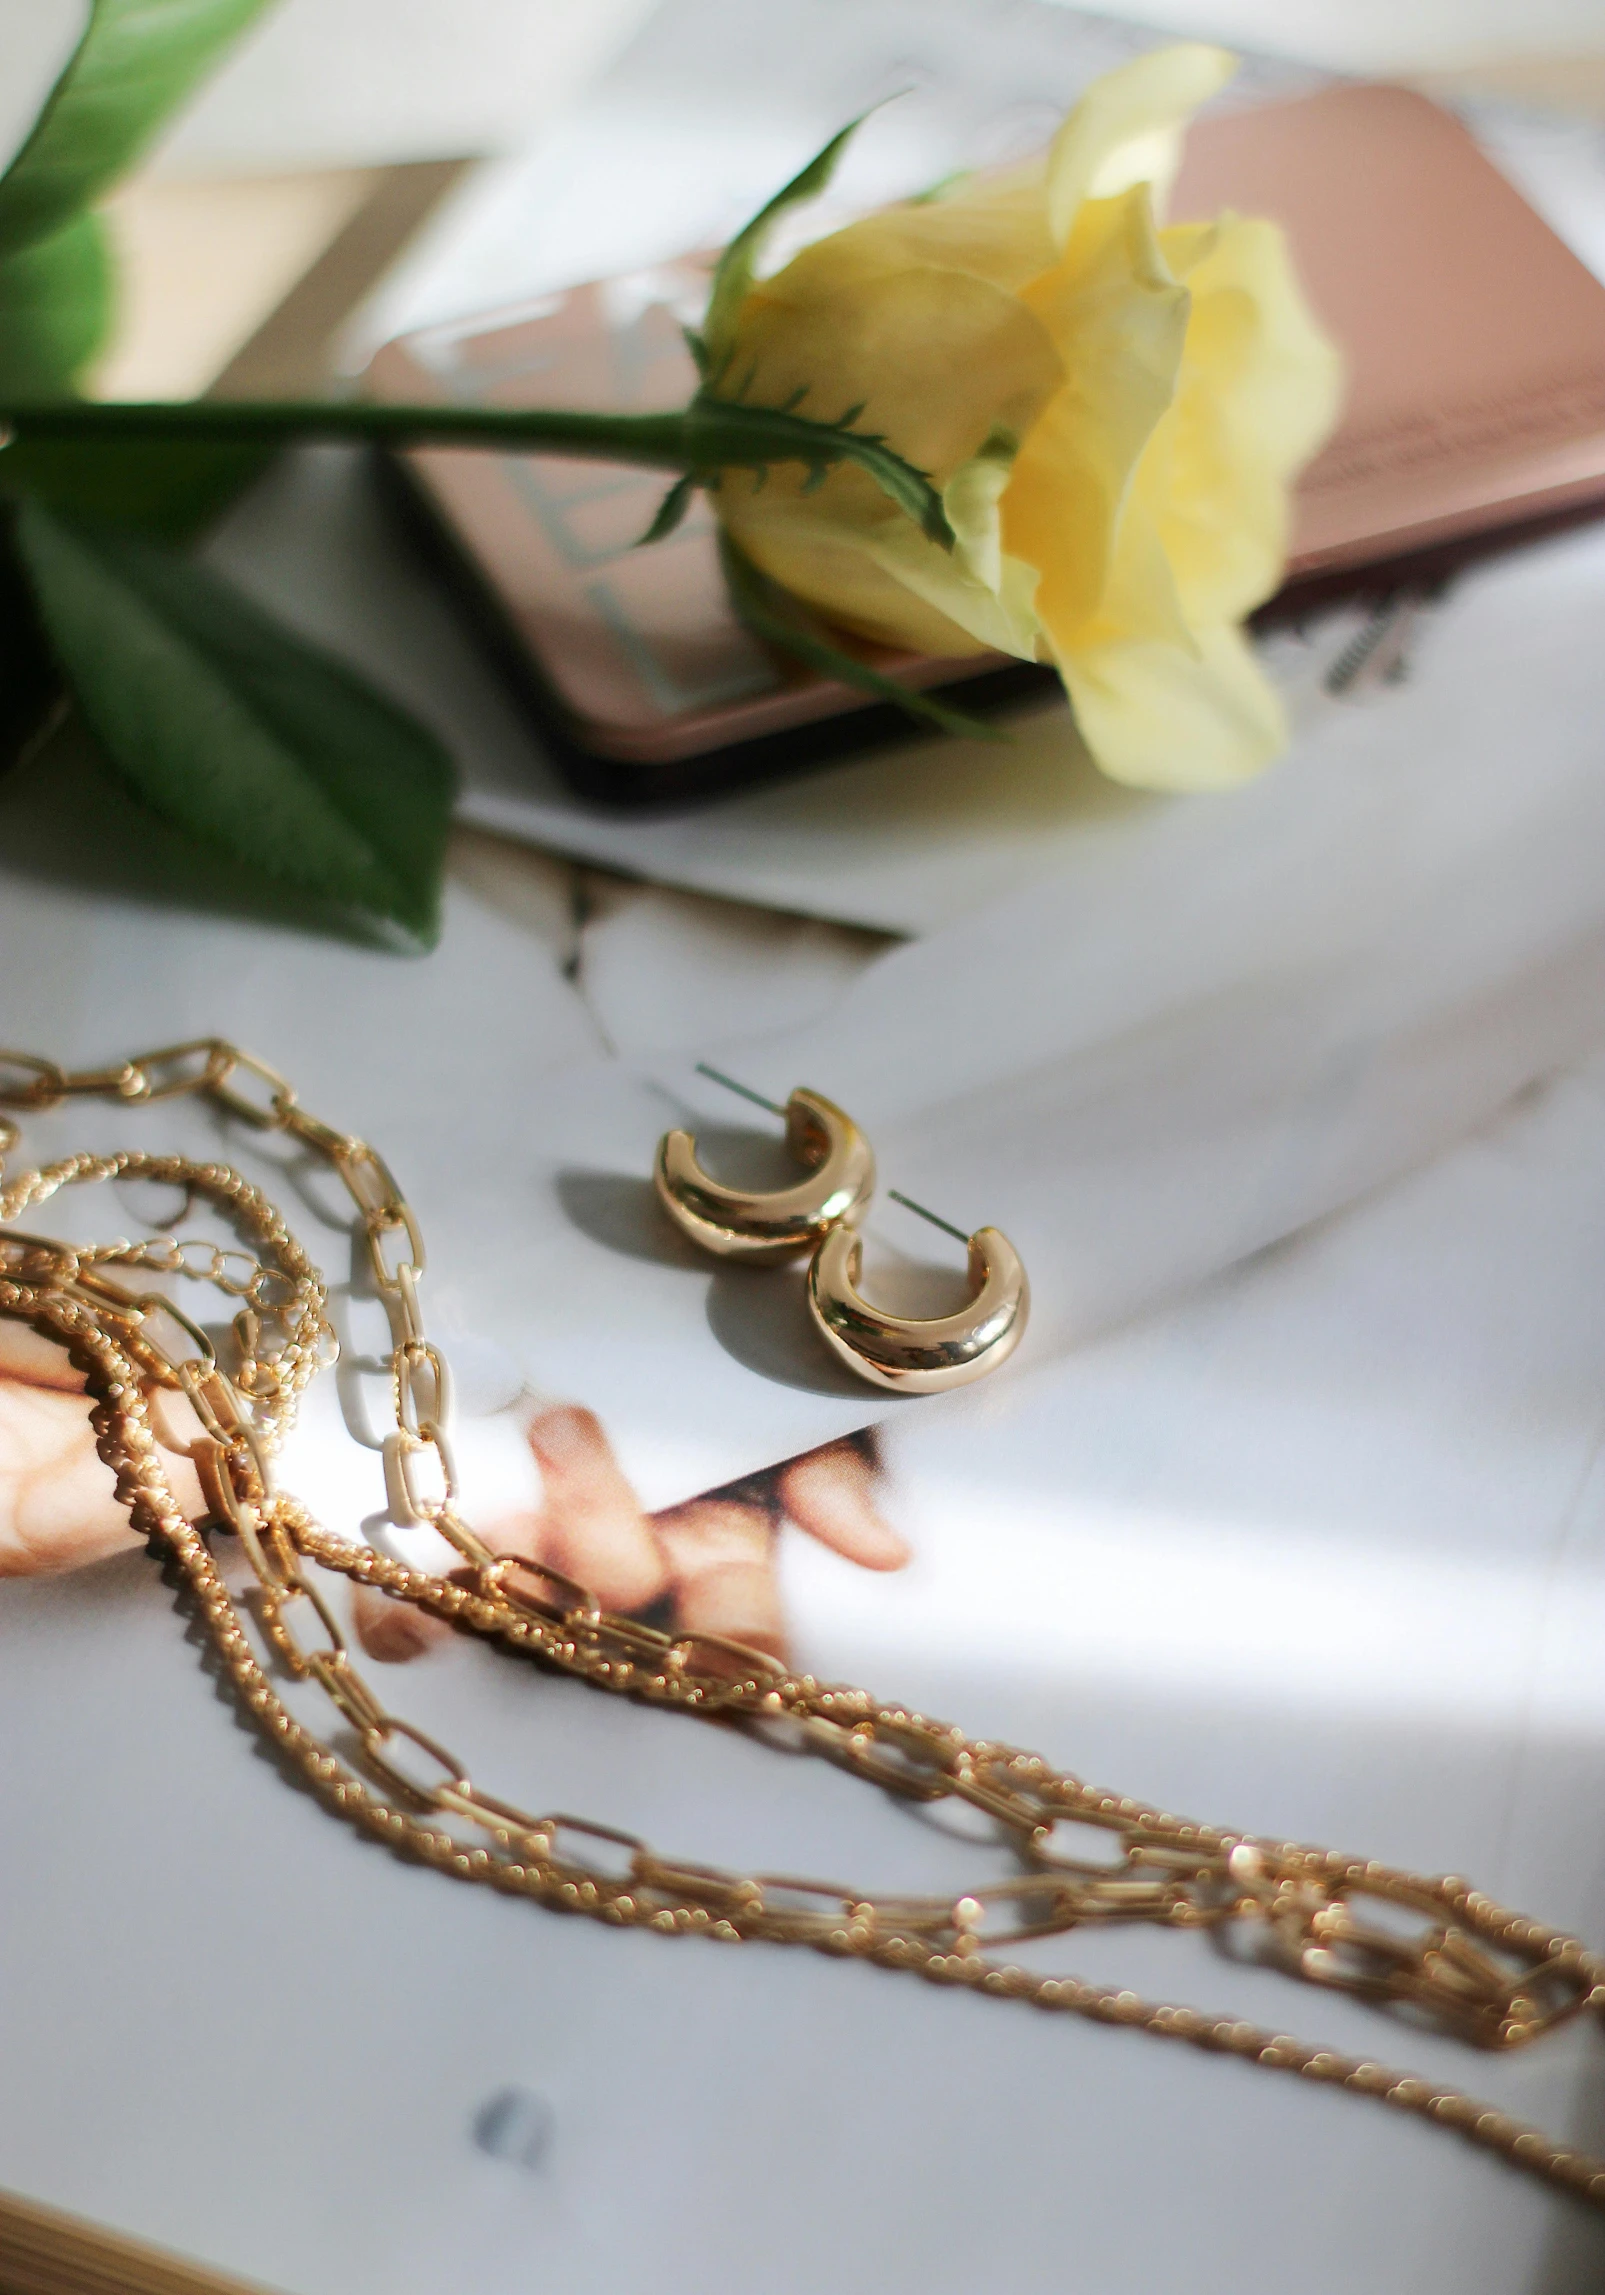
(737, 1223)
(915, 1357)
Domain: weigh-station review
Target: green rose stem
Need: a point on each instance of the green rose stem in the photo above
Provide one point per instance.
(699, 441)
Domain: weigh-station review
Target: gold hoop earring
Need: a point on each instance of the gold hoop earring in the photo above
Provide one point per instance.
(741, 1223)
(917, 1357)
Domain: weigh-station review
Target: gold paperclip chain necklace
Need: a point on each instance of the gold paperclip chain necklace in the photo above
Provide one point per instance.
(1473, 1969)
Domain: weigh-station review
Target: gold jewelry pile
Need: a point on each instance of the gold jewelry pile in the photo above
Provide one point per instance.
(1472, 1968)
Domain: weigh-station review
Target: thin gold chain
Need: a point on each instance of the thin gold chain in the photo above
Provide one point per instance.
(1469, 1966)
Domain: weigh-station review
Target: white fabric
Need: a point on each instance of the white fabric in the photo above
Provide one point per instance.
(1228, 1016)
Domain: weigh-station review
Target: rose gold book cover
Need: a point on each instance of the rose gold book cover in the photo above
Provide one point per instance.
(1475, 339)
(1475, 345)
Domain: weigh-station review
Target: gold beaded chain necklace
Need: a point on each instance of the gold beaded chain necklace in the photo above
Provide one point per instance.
(1472, 1968)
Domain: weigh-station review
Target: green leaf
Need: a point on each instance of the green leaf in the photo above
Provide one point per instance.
(239, 733)
(169, 488)
(55, 309)
(670, 511)
(136, 62)
(30, 683)
(772, 614)
(737, 266)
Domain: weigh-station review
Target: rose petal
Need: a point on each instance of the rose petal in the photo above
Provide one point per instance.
(1119, 320)
(1127, 128)
(1259, 390)
(1163, 716)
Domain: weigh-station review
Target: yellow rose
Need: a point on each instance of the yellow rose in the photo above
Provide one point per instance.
(1113, 412)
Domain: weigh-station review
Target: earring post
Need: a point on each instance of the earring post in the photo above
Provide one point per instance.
(919, 1210)
(743, 1091)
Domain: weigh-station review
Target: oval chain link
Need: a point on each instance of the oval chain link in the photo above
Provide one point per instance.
(1473, 1968)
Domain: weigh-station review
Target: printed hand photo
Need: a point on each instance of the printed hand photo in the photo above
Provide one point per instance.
(707, 1566)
